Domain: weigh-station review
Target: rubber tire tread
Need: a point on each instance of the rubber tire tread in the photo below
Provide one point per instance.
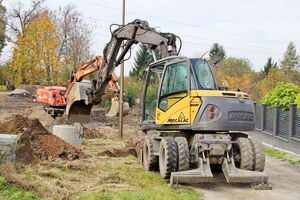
(171, 157)
(247, 154)
(259, 155)
(152, 163)
(183, 154)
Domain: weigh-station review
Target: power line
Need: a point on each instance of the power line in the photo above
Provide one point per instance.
(178, 22)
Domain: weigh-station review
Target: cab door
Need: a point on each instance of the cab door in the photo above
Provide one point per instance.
(174, 101)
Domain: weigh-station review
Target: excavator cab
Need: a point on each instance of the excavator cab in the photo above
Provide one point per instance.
(171, 89)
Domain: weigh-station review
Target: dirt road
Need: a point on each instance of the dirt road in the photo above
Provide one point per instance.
(284, 178)
(10, 105)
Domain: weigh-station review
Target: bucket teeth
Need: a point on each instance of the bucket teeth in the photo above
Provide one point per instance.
(202, 174)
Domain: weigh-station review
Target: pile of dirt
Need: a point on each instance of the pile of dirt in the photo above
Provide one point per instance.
(36, 143)
(10, 119)
(98, 115)
(127, 151)
(30, 88)
(92, 133)
(39, 113)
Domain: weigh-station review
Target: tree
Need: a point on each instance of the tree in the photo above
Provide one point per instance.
(216, 53)
(75, 38)
(282, 95)
(269, 65)
(290, 59)
(34, 58)
(142, 59)
(20, 18)
(297, 100)
(2, 26)
(235, 66)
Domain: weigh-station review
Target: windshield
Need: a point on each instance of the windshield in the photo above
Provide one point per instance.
(203, 75)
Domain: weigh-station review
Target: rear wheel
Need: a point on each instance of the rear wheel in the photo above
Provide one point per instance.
(168, 155)
(150, 161)
(183, 153)
(259, 155)
(243, 154)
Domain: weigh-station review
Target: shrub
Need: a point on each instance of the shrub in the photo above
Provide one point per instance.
(282, 95)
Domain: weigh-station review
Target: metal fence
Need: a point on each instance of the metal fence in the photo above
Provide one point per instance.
(278, 124)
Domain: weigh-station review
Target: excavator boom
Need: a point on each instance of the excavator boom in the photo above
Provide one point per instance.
(82, 97)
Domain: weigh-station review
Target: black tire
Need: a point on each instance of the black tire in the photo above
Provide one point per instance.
(183, 154)
(168, 156)
(259, 155)
(245, 153)
(150, 161)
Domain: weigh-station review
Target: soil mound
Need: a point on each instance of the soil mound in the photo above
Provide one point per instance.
(11, 120)
(91, 133)
(36, 143)
(30, 88)
(119, 152)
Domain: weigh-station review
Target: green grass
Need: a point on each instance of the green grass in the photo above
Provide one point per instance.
(139, 184)
(3, 88)
(91, 178)
(8, 192)
(282, 156)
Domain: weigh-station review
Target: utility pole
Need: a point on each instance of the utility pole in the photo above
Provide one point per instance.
(121, 82)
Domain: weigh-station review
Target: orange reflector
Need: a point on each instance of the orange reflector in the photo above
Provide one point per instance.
(212, 115)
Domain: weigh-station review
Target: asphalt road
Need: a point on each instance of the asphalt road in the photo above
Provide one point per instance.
(284, 179)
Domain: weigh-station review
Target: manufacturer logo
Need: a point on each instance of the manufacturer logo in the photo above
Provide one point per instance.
(181, 119)
(240, 116)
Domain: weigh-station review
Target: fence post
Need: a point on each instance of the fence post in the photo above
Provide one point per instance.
(276, 120)
(263, 116)
(292, 118)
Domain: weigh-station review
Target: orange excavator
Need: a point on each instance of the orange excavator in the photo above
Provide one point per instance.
(56, 97)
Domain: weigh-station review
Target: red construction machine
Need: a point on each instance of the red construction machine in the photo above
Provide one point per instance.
(56, 97)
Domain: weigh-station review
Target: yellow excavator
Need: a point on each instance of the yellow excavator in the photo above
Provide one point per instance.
(197, 125)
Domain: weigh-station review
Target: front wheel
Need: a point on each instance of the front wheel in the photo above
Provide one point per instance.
(243, 154)
(259, 155)
(168, 157)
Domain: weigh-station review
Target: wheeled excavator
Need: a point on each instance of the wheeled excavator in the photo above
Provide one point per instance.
(197, 125)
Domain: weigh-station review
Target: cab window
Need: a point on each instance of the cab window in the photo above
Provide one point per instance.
(174, 85)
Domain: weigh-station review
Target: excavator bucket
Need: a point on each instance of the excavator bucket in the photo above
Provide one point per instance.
(235, 175)
(202, 174)
(114, 109)
(78, 109)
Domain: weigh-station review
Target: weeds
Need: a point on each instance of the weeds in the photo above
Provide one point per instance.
(282, 156)
(14, 193)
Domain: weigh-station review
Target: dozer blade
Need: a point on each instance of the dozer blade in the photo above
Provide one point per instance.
(78, 109)
(114, 109)
(202, 174)
(235, 175)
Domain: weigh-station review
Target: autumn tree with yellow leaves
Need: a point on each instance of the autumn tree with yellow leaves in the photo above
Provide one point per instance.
(34, 56)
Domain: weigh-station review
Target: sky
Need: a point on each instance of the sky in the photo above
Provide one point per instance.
(253, 29)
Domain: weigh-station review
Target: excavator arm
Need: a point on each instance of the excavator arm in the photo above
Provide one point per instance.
(81, 97)
(89, 68)
(135, 32)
